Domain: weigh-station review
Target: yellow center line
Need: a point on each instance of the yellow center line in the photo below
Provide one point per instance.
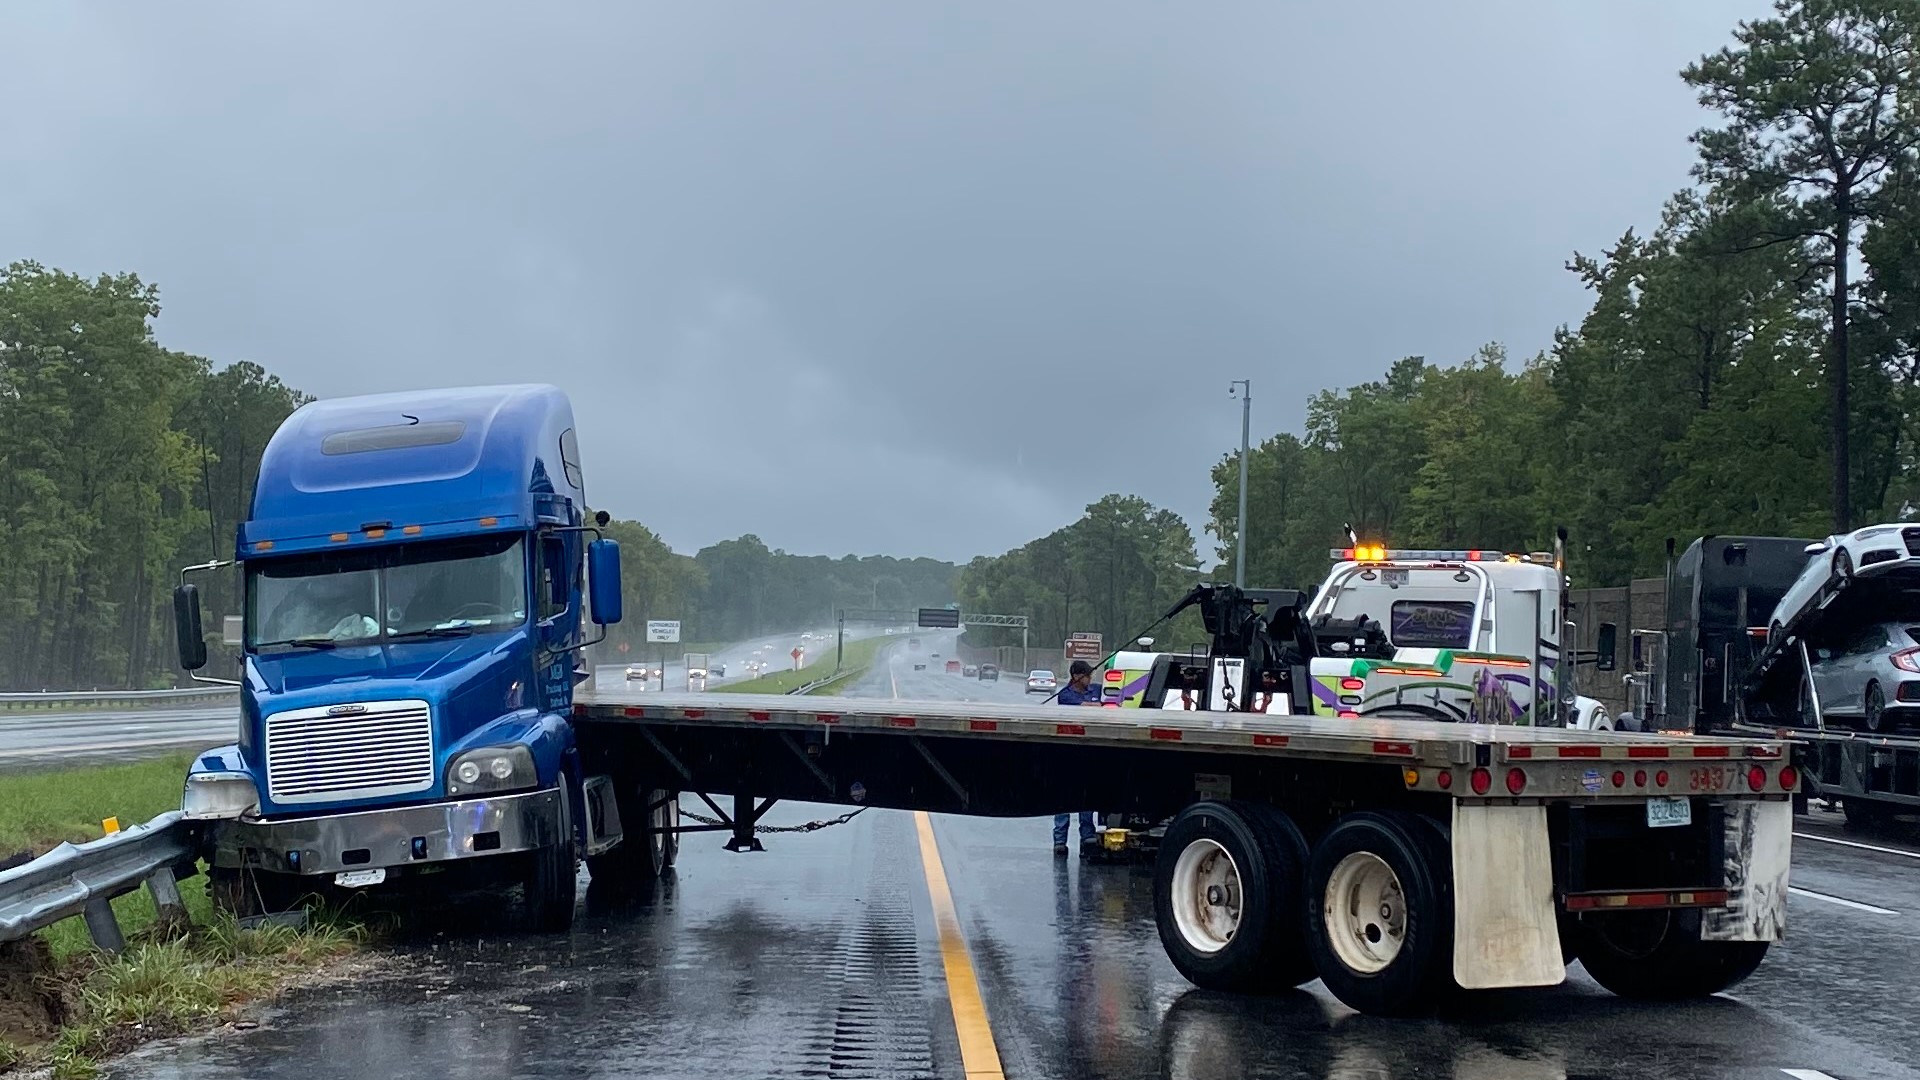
(978, 1055)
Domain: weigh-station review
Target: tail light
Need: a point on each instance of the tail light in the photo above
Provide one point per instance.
(1516, 781)
(1789, 778)
(1445, 779)
(1757, 778)
(1660, 778)
(1907, 660)
(1481, 781)
(1619, 778)
(1639, 778)
(1353, 684)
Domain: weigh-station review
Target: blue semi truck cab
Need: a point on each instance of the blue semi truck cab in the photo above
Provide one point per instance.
(420, 576)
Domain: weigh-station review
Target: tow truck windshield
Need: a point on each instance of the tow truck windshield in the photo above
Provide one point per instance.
(448, 588)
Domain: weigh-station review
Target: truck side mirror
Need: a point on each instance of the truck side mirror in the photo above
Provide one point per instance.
(186, 628)
(1605, 648)
(603, 571)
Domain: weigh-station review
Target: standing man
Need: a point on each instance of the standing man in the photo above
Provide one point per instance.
(1078, 691)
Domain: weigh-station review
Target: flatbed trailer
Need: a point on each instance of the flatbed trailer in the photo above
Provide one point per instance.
(1395, 860)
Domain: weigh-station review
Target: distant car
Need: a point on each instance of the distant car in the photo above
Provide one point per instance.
(1868, 552)
(919, 667)
(953, 667)
(1041, 681)
(935, 655)
(719, 671)
(970, 671)
(989, 673)
(636, 671)
(1871, 675)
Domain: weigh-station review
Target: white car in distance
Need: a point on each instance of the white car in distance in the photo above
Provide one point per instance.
(1837, 560)
(1041, 681)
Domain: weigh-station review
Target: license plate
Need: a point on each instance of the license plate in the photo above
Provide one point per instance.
(1394, 575)
(360, 879)
(1667, 812)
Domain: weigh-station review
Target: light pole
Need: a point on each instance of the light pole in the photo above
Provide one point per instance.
(1242, 388)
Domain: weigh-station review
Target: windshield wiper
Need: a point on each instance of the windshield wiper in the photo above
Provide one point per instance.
(313, 642)
(432, 632)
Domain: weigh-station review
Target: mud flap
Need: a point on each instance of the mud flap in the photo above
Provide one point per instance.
(1758, 854)
(1504, 930)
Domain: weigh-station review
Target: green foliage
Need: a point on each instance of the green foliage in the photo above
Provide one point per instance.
(42, 808)
(1112, 572)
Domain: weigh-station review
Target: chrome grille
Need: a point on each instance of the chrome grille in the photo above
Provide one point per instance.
(353, 751)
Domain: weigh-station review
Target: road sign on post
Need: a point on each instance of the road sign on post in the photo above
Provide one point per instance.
(663, 630)
(625, 648)
(797, 653)
(932, 618)
(1084, 647)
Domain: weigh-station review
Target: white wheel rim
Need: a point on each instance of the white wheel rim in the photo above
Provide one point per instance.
(1366, 913)
(1206, 896)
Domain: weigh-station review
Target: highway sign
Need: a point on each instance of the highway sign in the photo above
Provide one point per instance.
(1084, 647)
(939, 618)
(663, 630)
(797, 653)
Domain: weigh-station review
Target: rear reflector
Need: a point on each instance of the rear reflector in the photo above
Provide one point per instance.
(1646, 751)
(1600, 901)
(1712, 751)
(1580, 751)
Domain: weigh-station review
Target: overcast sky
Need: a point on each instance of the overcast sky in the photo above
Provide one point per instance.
(874, 277)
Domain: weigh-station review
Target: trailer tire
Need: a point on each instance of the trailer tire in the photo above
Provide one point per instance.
(1658, 955)
(550, 881)
(672, 824)
(1379, 913)
(1211, 854)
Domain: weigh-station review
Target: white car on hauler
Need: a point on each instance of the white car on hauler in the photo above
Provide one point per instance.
(1869, 552)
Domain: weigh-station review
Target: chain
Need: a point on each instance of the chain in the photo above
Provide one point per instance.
(811, 826)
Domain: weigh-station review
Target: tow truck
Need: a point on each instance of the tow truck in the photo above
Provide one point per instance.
(1392, 859)
(1432, 634)
(1721, 664)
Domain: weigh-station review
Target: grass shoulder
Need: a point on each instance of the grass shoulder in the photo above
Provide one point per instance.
(858, 657)
(65, 1006)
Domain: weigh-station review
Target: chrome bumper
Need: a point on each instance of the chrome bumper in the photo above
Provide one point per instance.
(399, 836)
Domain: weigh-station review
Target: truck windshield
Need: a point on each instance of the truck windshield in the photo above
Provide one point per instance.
(444, 588)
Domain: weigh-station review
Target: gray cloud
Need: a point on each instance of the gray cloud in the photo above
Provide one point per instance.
(853, 276)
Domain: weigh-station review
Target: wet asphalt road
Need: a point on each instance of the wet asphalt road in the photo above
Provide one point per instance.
(819, 958)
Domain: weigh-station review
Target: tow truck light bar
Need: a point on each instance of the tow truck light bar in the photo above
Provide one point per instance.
(1365, 553)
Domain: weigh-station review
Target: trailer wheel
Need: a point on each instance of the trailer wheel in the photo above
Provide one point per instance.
(550, 880)
(1658, 955)
(671, 828)
(1226, 898)
(1380, 913)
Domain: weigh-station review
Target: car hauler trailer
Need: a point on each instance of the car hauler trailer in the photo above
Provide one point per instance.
(1393, 859)
(416, 574)
(1723, 664)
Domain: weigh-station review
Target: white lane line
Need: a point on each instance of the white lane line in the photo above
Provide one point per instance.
(1854, 844)
(1841, 900)
(1806, 1074)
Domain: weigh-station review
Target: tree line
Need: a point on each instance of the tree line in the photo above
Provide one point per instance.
(1748, 365)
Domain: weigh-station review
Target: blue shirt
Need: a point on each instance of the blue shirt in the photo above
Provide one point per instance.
(1069, 696)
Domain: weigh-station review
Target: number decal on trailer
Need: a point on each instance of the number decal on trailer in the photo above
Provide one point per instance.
(1708, 778)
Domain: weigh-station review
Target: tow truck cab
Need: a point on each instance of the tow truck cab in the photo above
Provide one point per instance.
(418, 579)
(1461, 635)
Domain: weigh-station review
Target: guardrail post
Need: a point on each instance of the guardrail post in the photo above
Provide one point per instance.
(102, 926)
(168, 911)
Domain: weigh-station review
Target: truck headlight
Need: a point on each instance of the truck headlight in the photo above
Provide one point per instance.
(218, 796)
(491, 768)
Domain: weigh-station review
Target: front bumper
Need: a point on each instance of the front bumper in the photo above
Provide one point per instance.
(398, 836)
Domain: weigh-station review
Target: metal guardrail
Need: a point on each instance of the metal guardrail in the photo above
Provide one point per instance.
(83, 879)
(69, 700)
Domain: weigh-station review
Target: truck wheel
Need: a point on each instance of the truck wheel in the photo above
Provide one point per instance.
(550, 880)
(670, 825)
(247, 893)
(1380, 913)
(1226, 898)
(1658, 955)
(646, 849)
